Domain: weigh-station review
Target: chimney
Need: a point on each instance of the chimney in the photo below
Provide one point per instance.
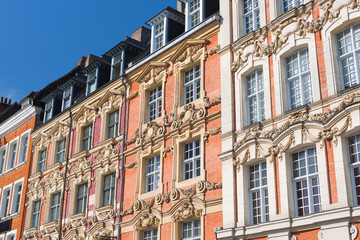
(4, 103)
(180, 6)
(81, 61)
(141, 34)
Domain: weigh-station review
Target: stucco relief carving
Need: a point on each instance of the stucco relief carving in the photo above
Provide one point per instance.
(102, 232)
(146, 221)
(86, 115)
(52, 229)
(151, 131)
(209, 104)
(176, 194)
(188, 115)
(43, 142)
(212, 51)
(114, 101)
(54, 180)
(297, 24)
(168, 150)
(152, 71)
(106, 154)
(81, 165)
(36, 188)
(188, 50)
(61, 130)
(186, 210)
(33, 234)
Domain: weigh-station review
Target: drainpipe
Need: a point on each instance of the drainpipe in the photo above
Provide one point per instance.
(66, 170)
(122, 171)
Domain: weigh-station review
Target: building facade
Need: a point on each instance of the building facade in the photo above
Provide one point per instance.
(16, 123)
(290, 125)
(131, 138)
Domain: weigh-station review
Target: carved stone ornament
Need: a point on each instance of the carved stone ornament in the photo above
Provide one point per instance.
(133, 95)
(61, 129)
(114, 101)
(131, 165)
(44, 141)
(52, 229)
(82, 164)
(36, 188)
(204, 186)
(110, 214)
(188, 50)
(106, 154)
(151, 131)
(297, 23)
(353, 231)
(293, 237)
(168, 150)
(55, 180)
(213, 131)
(79, 222)
(34, 234)
(209, 104)
(102, 232)
(187, 116)
(186, 211)
(89, 113)
(146, 221)
(152, 71)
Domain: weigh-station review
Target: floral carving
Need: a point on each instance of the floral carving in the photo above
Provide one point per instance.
(107, 153)
(151, 131)
(55, 179)
(147, 220)
(83, 163)
(204, 186)
(187, 116)
(102, 232)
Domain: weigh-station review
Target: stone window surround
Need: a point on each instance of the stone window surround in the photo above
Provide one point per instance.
(23, 135)
(79, 136)
(329, 32)
(36, 157)
(240, 87)
(30, 211)
(104, 122)
(179, 71)
(293, 45)
(12, 142)
(3, 152)
(75, 183)
(2, 203)
(54, 147)
(48, 201)
(11, 233)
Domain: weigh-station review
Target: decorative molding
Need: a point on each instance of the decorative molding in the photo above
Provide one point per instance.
(209, 104)
(186, 211)
(168, 150)
(213, 131)
(188, 115)
(131, 165)
(151, 131)
(212, 51)
(146, 221)
(133, 95)
(293, 237)
(106, 154)
(353, 231)
(188, 49)
(152, 71)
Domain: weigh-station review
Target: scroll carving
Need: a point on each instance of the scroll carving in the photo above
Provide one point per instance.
(186, 211)
(147, 220)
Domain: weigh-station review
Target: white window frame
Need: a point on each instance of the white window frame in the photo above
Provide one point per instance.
(11, 154)
(111, 189)
(89, 138)
(11, 234)
(114, 124)
(115, 62)
(191, 13)
(193, 82)
(301, 77)
(257, 95)
(192, 230)
(22, 158)
(295, 3)
(48, 110)
(3, 156)
(83, 198)
(15, 194)
(353, 166)
(156, 102)
(67, 98)
(37, 213)
(153, 234)
(355, 53)
(262, 190)
(2, 236)
(55, 208)
(63, 152)
(92, 80)
(2, 206)
(42, 160)
(155, 174)
(192, 160)
(159, 35)
(252, 13)
(307, 177)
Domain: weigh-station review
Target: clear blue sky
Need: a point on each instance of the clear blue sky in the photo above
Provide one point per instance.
(41, 40)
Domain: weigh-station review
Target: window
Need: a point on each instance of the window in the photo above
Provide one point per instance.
(289, 4)
(60, 154)
(36, 214)
(251, 15)
(159, 35)
(152, 173)
(116, 67)
(24, 147)
(354, 158)
(154, 103)
(109, 189)
(3, 151)
(5, 201)
(81, 199)
(306, 182)
(12, 155)
(255, 97)
(191, 230)
(298, 79)
(55, 207)
(42, 160)
(67, 96)
(113, 124)
(16, 196)
(191, 163)
(194, 13)
(192, 84)
(348, 42)
(87, 137)
(150, 234)
(91, 82)
(259, 201)
(11, 235)
(48, 110)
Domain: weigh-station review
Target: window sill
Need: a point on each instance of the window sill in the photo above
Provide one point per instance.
(9, 171)
(77, 216)
(146, 195)
(189, 182)
(12, 215)
(107, 141)
(84, 153)
(20, 165)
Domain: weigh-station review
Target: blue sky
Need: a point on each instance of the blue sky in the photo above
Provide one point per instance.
(41, 40)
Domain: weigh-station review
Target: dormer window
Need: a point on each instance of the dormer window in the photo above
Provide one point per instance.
(115, 67)
(159, 35)
(91, 82)
(194, 13)
(67, 97)
(48, 110)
